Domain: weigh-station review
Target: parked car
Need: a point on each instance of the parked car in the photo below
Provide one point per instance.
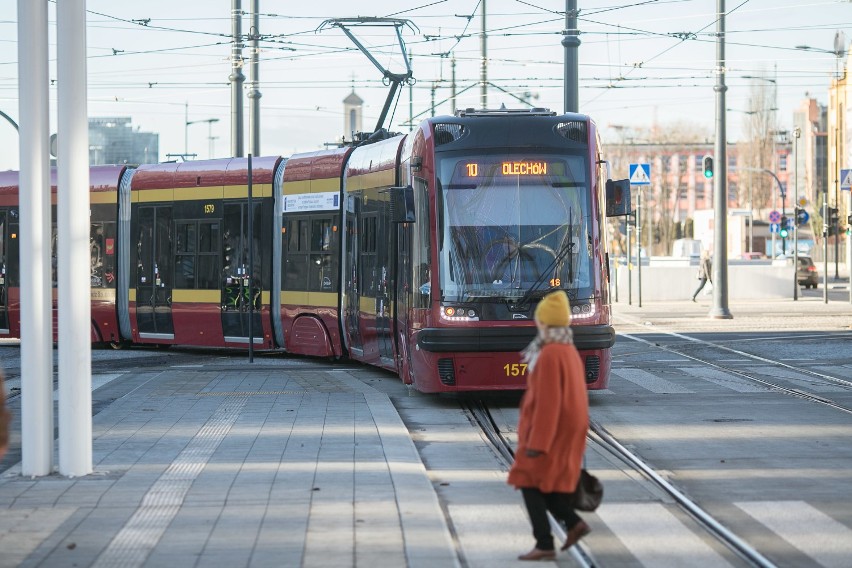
(753, 256)
(806, 272)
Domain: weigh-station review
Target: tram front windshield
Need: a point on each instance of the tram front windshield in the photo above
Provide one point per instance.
(512, 224)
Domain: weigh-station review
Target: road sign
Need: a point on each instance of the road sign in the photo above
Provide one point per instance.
(774, 217)
(640, 174)
(773, 227)
(846, 179)
(803, 201)
(803, 217)
(791, 223)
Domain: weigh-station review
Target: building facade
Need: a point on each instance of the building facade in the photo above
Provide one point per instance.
(113, 140)
(679, 189)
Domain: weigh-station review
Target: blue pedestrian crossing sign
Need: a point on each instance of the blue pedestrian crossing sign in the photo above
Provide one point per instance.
(845, 180)
(640, 174)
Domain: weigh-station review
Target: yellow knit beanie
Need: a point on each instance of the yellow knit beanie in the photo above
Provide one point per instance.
(553, 310)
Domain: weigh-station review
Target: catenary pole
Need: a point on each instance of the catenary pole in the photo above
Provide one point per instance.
(254, 84)
(236, 78)
(571, 41)
(483, 64)
(72, 214)
(34, 199)
(720, 185)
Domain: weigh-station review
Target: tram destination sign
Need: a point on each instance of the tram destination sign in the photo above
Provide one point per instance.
(514, 168)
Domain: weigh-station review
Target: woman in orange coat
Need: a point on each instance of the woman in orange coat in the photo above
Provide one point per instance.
(552, 428)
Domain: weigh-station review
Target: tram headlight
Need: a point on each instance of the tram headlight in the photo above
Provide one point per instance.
(582, 311)
(453, 313)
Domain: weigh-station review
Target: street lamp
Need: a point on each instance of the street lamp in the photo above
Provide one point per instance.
(209, 122)
(9, 118)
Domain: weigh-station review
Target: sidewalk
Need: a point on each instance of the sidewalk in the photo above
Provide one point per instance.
(777, 315)
(228, 467)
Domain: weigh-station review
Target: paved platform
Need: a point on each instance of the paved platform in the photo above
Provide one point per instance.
(228, 467)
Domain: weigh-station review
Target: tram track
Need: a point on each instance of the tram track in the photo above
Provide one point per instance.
(749, 376)
(598, 435)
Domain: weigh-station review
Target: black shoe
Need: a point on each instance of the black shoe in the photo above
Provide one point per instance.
(693, 299)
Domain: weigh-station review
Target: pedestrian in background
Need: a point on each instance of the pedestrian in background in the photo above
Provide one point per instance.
(5, 418)
(552, 427)
(705, 272)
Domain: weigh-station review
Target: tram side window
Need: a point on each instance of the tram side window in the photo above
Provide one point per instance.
(322, 269)
(196, 257)
(369, 250)
(421, 247)
(296, 263)
(102, 254)
(310, 264)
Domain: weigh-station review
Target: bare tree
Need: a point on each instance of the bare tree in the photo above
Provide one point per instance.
(757, 151)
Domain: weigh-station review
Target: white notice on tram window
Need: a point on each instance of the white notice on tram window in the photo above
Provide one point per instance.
(323, 201)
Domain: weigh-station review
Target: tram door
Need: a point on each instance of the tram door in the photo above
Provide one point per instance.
(351, 283)
(4, 277)
(154, 271)
(385, 265)
(236, 297)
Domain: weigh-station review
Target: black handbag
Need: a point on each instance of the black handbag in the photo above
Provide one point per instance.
(589, 492)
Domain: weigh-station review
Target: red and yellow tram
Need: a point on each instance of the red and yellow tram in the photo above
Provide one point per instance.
(424, 254)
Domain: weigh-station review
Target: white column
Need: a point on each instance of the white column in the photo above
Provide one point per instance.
(75, 312)
(34, 199)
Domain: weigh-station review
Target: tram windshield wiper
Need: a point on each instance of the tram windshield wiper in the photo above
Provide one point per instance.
(564, 250)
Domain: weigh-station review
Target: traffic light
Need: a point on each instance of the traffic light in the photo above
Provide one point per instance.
(800, 215)
(708, 166)
(832, 216)
(782, 229)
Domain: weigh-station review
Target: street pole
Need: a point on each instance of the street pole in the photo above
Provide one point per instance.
(73, 269)
(836, 195)
(411, 94)
(254, 82)
(720, 185)
(774, 208)
(796, 133)
(751, 222)
(825, 242)
(36, 326)
(639, 244)
(236, 78)
(629, 262)
(571, 42)
(452, 86)
(849, 241)
(185, 129)
(483, 64)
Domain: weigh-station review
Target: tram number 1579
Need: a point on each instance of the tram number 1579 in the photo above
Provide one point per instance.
(515, 369)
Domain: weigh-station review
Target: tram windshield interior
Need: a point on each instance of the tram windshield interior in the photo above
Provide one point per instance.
(513, 225)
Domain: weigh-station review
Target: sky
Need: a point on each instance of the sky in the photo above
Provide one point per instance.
(642, 63)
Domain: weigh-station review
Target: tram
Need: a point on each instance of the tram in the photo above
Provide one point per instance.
(424, 254)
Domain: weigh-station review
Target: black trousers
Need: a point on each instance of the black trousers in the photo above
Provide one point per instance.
(700, 286)
(538, 504)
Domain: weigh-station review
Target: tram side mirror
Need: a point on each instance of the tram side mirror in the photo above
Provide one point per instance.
(402, 204)
(617, 198)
